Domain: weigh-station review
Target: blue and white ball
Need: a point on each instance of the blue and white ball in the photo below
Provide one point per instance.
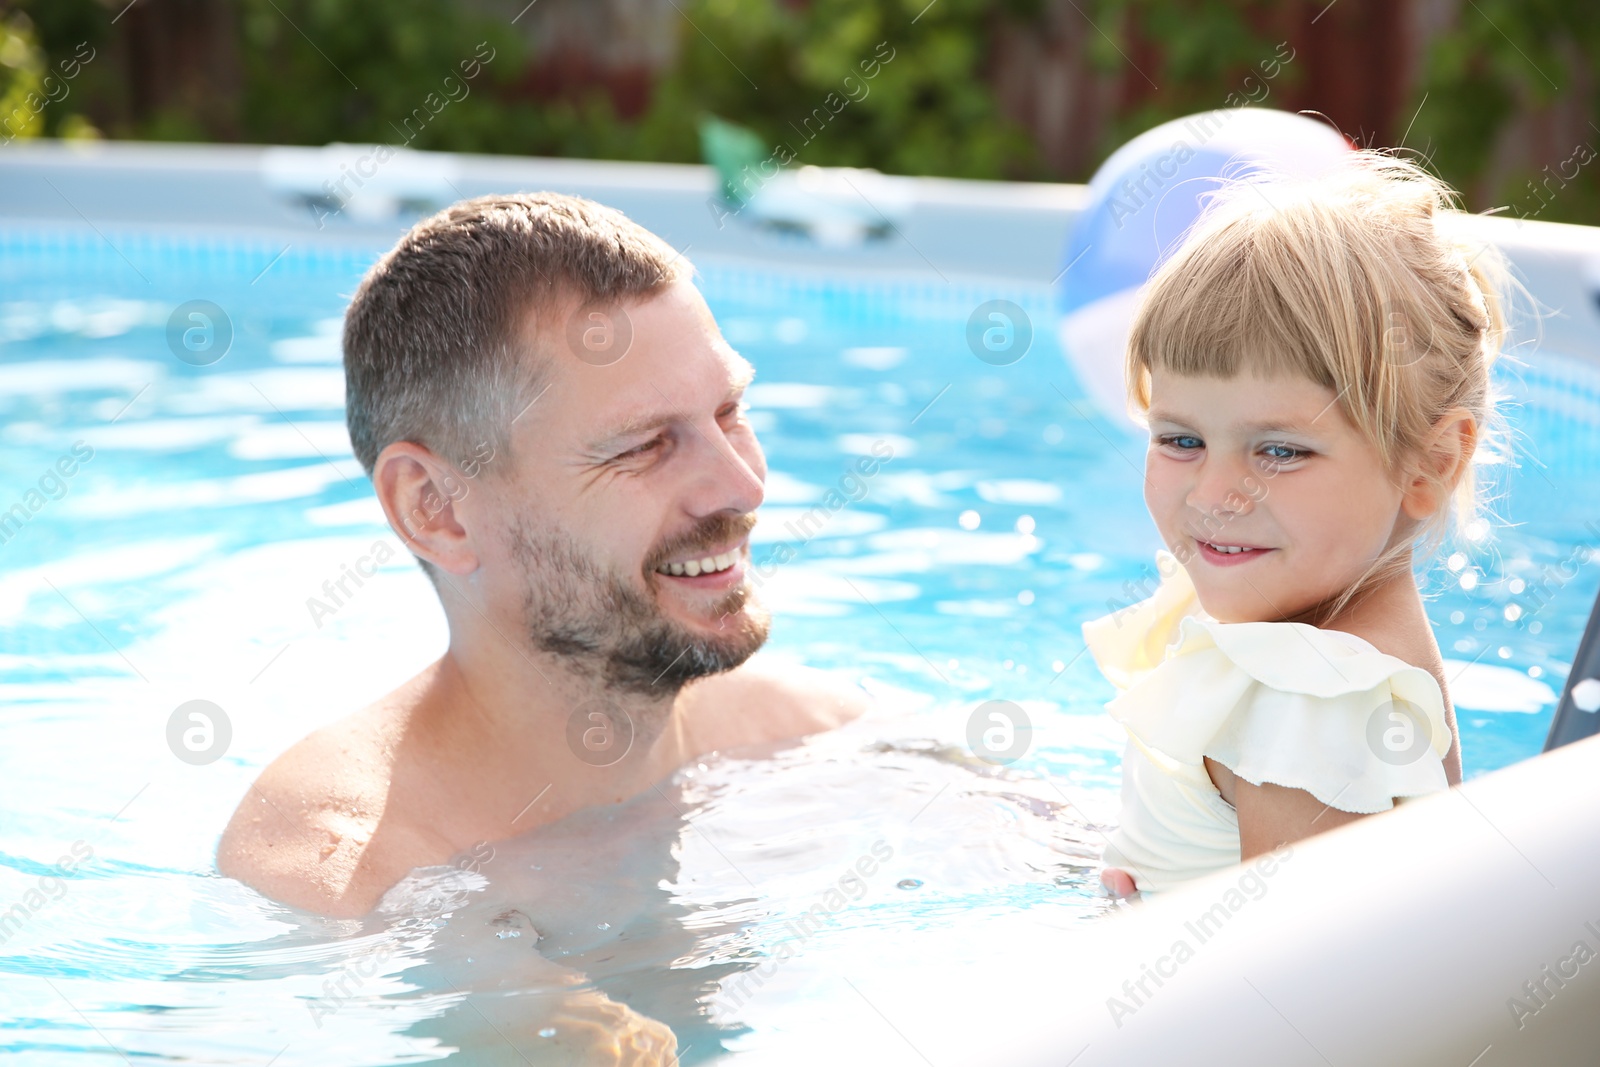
(1143, 200)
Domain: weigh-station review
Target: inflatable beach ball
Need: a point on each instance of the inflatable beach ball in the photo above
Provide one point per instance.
(1143, 200)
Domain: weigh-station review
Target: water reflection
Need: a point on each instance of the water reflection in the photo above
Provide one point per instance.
(711, 907)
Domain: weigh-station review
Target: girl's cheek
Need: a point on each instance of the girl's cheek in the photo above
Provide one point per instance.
(1162, 471)
(1163, 488)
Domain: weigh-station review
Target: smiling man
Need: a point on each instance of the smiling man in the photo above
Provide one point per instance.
(553, 423)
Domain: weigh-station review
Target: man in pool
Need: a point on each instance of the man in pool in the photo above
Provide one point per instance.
(553, 423)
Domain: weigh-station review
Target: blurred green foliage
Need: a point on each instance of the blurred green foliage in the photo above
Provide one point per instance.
(22, 64)
(374, 64)
(1502, 55)
(926, 110)
(314, 71)
(1207, 49)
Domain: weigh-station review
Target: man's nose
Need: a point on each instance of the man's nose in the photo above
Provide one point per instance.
(727, 477)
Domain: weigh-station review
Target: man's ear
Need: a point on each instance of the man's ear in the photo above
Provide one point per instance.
(420, 492)
(1441, 463)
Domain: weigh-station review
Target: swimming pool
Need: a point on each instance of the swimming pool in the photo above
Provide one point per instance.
(207, 505)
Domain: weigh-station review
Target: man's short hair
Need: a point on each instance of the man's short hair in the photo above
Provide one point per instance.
(437, 344)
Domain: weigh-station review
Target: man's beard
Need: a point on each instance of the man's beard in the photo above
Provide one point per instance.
(603, 626)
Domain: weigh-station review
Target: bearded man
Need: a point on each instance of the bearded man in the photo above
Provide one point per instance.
(554, 424)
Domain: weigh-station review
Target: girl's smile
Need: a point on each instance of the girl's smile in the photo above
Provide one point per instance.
(1228, 555)
(1268, 495)
(1314, 369)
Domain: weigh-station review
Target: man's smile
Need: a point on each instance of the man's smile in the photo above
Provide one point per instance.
(708, 570)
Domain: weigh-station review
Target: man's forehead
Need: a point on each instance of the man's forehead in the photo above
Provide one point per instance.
(659, 403)
(676, 363)
(567, 331)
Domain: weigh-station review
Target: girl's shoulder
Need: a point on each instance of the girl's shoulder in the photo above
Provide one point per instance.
(1134, 638)
(1292, 656)
(1285, 702)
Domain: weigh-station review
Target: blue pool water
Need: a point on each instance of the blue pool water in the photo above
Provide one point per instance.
(207, 504)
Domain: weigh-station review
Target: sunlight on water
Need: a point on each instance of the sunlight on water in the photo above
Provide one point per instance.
(748, 897)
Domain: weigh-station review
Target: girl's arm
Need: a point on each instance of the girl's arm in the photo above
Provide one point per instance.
(1270, 816)
(1274, 815)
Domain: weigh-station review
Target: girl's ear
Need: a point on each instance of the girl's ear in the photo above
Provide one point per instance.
(1441, 463)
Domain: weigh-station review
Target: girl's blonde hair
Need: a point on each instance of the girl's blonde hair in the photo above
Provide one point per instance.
(1361, 281)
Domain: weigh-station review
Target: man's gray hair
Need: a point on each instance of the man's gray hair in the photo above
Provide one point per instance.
(439, 342)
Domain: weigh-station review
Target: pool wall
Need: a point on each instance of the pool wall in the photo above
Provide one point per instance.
(1446, 934)
(949, 229)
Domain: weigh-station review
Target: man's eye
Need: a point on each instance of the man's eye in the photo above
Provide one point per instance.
(640, 450)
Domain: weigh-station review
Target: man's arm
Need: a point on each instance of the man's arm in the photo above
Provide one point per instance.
(311, 832)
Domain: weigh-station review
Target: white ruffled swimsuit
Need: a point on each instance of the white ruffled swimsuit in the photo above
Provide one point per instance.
(1282, 702)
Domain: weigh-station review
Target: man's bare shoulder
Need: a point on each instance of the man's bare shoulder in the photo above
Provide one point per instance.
(315, 831)
(767, 700)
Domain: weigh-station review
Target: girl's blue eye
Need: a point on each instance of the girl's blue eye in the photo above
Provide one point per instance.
(1184, 441)
(1284, 453)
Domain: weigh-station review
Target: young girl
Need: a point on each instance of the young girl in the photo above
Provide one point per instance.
(1313, 366)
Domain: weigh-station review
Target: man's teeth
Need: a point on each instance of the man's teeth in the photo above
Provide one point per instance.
(708, 565)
